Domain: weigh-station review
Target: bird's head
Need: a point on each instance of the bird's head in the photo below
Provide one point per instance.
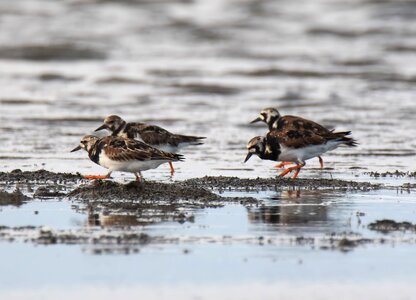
(86, 143)
(268, 115)
(112, 123)
(255, 146)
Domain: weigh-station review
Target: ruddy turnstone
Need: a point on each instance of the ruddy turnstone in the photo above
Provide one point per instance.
(152, 135)
(121, 154)
(295, 146)
(287, 125)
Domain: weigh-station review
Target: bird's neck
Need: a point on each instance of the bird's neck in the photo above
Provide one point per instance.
(119, 129)
(273, 122)
(271, 152)
(94, 151)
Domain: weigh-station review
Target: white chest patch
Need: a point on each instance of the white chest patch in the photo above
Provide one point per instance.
(129, 166)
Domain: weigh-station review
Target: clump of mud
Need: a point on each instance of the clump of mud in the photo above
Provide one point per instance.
(386, 226)
(278, 183)
(113, 204)
(144, 191)
(16, 198)
(38, 176)
(51, 191)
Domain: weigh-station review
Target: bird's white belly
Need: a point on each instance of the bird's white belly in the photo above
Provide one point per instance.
(302, 154)
(129, 166)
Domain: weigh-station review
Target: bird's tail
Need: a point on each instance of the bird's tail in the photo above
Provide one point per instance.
(192, 140)
(178, 157)
(342, 137)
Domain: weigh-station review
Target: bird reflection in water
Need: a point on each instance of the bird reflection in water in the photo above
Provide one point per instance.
(133, 217)
(110, 220)
(292, 207)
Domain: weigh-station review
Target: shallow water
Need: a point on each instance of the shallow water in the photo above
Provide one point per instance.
(208, 67)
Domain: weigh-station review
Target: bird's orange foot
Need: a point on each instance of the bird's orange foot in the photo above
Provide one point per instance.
(288, 170)
(172, 170)
(92, 177)
(282, 164)
(321, 161)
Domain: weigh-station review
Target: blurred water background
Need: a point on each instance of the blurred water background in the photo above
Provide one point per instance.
(207, 67)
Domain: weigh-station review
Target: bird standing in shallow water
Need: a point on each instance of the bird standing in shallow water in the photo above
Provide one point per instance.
(120, 154)
(292, 146)
(152, 135)
(293, 127)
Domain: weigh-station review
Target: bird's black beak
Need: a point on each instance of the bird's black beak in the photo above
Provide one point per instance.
(248, 156)
(76, 148)
(256, 120)
(101, 127)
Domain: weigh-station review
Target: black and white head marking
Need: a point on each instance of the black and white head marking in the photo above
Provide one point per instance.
(269, 116)
(86, 143)
(256, 146)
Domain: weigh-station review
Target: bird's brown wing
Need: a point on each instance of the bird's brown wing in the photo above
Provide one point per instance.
(152, 134)
(295, 138)
(121, 149)
(287, 123)
(155, 135)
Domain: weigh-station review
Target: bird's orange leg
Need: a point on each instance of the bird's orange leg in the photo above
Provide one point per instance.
(92, 177)
(139, 177)
(282, 164)
(288, 170)
(321, 161)
(296, 173)
(172, 170)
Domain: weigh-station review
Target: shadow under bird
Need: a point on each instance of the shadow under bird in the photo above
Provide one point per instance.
(152, 135)
(289, 125)
(294, 140)
(121, 154)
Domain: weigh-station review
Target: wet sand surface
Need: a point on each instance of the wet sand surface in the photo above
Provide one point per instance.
(218, 228)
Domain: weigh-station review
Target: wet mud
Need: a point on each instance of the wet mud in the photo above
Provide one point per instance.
(148, 190)
(195, 187)
(387, 226)
(37, 176)
(278, 183)
(16, 198)
(396, 173)
(114, 204)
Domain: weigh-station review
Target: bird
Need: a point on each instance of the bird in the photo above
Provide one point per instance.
(123, 154)
(296, 146)
(289, 124)
(152, 135)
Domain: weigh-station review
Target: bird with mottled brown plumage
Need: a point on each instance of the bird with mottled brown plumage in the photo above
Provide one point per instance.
(293, 139)
(152, 135)
(123, 154)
